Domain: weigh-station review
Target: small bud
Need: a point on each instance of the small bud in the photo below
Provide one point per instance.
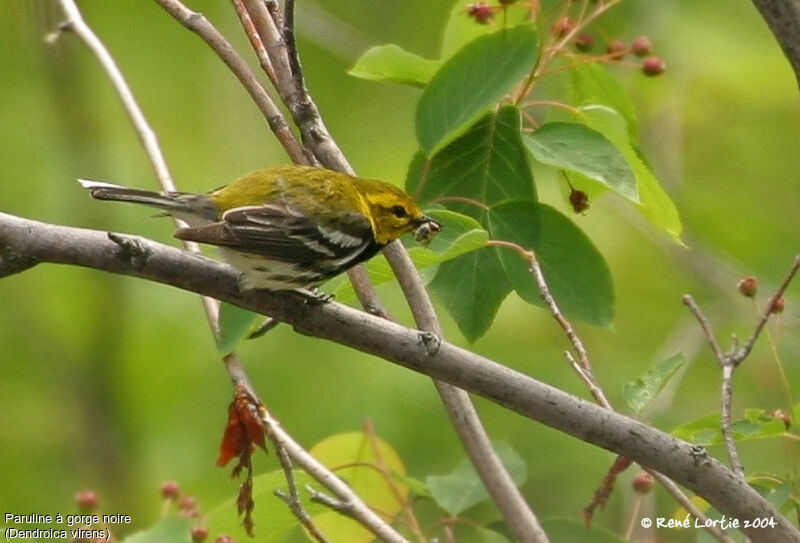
(641, 47)
(562, 27)
(170, 490)
(748, 286)
(481, 12)
(777, 306)
(199, 533)
(616, 49)
(643, 482)
(584, 42)
(784, 416)
(86, 500)
(653, 66)
(579, 201)
(187, 507)
(224, 538)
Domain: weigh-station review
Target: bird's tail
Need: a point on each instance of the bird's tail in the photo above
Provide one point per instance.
(107, 191)
(195, 209)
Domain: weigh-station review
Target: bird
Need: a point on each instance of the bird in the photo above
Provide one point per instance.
(288, 227)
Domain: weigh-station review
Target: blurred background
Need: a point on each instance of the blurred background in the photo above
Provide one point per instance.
(114, 384)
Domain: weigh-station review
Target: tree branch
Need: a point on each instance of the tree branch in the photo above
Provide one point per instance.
(277, 35)
(24, 243)
(783, 19)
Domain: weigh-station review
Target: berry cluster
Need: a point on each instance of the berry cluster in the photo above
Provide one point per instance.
(584, 42)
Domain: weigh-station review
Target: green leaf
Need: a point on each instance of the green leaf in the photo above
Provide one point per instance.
(471, 82)
(472, 289)
(592, 83)
(393, 64)
(235, 324)
(574, 269)
(488, 164)
(577, 148)
(462, 488)
(757, 424)
(643, 390)
(562, 529)
(654, 203)
(485, 535)
(357, 451)
(460, 234)
(780, 496)
(462, 29)
(168, 530)
(354, 450)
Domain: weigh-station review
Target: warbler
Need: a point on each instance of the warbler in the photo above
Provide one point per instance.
(288, 227)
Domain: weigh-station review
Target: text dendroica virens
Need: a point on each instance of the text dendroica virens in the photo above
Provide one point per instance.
(289, 227)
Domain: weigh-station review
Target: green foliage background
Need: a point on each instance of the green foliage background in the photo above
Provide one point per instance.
(112, 383)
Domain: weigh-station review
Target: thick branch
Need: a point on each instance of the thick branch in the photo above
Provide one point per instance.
(31, 242)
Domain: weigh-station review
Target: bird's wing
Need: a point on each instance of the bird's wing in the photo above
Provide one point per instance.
(278, 232)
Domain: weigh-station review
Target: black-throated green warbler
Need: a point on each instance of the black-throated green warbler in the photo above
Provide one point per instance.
(289, 227)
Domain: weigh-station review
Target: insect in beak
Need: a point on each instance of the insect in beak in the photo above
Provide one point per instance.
(427, 230)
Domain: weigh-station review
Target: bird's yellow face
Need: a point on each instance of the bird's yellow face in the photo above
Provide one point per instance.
(394, 213)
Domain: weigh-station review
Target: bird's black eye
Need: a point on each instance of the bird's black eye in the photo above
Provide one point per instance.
(399, 211)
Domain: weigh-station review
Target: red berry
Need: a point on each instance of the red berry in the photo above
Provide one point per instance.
(199, 533)
(643, 482)
(562, 27)
(579, 201)
(86, 500)
(224, 538)
(641, 47)
(170, 490)
(584, 42)
(748, 286)
(616, 49)
(481, 12)
(653, 66)
(777, 306)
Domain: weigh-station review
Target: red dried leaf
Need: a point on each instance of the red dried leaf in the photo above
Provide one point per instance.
(243, 430)
(621, 463)
(234, 441)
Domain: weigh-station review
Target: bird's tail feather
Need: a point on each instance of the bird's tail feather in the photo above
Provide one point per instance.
(107, 191)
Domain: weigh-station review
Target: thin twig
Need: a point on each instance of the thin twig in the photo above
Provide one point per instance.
(198, 24)
(291, 45)
(555, 311)
(688, 300)
(146, 134)
(670, 486)
(768, 310)
(232, 364)
(292, 499)
(520, 518)
(349, 502)
(584, 371)
(281, 49)
(726, 418)
(730, 361)
(255, 40)
(411, 519)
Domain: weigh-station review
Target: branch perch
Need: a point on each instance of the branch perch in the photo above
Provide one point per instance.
(24, 243)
